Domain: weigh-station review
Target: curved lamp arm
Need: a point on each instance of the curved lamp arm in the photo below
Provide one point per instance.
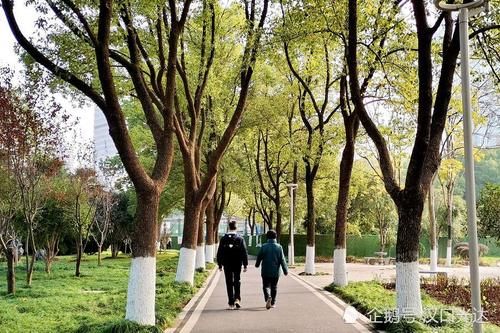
(452, 7)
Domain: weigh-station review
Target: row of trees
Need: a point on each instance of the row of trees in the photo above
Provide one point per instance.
(186, 72)
(43, 202)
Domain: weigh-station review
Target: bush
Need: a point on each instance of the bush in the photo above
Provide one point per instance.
(462, 250)
(350, 259)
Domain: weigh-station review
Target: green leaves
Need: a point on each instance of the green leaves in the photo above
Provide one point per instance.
(489, 211)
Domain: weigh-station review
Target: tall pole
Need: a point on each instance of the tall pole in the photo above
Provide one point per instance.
(291, 248)
(470, 188)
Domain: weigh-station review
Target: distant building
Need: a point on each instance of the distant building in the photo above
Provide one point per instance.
(174, 225)
(104, 146)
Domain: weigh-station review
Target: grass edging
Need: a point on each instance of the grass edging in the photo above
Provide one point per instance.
(377, 303)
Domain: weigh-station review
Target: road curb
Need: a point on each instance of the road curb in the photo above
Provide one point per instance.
(188, 310)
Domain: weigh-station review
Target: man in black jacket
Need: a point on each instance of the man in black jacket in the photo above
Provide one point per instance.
(232, 254)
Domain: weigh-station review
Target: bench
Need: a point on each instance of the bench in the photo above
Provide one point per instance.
(378, 260)
(371, 260)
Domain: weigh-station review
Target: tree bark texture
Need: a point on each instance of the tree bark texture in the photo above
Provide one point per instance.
(192, 210)
(99, 254)
(410, 211)
(31, 265)
(146, 219)
(11, 273)
(311, 214)
(210, 214)
(351, 124)
(79, 250)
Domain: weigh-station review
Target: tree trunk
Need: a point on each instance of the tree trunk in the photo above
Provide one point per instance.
(187, 256)
(142, 277)
(79, 250)
(16, 255)
(11, 270)
(200, 243)
(210, 238)
(251, 216)
(311, 221)
(29, 277)
(114, 250)
(26, 256)
(383, 240)
(346, 163)
(279, 218)
(410, 208)
(432, 228)
(31, 266)
(99, 251)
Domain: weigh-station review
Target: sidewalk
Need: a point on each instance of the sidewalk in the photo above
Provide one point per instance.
(300, 307)
(364, 272)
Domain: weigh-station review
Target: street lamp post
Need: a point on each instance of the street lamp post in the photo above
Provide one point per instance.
(291, 249)
(476, 7)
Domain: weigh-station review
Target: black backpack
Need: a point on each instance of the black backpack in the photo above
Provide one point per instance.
(232, 244)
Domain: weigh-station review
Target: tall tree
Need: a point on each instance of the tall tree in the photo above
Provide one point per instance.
(82, 193)
(112, 40)
(314, 104)
(351, 125)
(54, 221)
(9, 195)
(105, 201)
(274, 168)
(424, 159)
(199, 188)
(30, 143)
(9, 201)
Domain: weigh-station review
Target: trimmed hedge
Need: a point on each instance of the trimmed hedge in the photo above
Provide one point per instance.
(358, 246)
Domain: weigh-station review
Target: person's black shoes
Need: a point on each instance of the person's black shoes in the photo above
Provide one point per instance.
(237, 304)
(268, 303)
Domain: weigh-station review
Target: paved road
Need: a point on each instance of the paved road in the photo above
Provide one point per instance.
(362, 272)
(299, 308)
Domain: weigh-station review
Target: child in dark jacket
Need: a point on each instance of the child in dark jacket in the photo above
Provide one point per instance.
(272, 258)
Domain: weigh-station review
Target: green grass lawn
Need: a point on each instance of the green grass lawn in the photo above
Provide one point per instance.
(94, 302)
(369, 296)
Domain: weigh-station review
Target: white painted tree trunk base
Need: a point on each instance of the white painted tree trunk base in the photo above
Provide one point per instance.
(448, 256)
(408, 300)
(434, 259)
(185, 266)
(250, 237)
(209, 253)
(339, 267)
(141, 291)
(200, 257)
(310, 268)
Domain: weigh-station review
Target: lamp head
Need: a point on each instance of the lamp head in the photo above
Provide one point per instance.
(442, 5)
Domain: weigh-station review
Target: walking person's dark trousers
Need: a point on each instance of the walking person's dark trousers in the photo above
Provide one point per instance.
(270, 283)
(232, 284)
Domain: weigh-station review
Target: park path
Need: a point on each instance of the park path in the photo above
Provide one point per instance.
(300, 307)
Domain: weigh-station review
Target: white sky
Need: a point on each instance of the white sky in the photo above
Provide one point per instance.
(84, 130)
